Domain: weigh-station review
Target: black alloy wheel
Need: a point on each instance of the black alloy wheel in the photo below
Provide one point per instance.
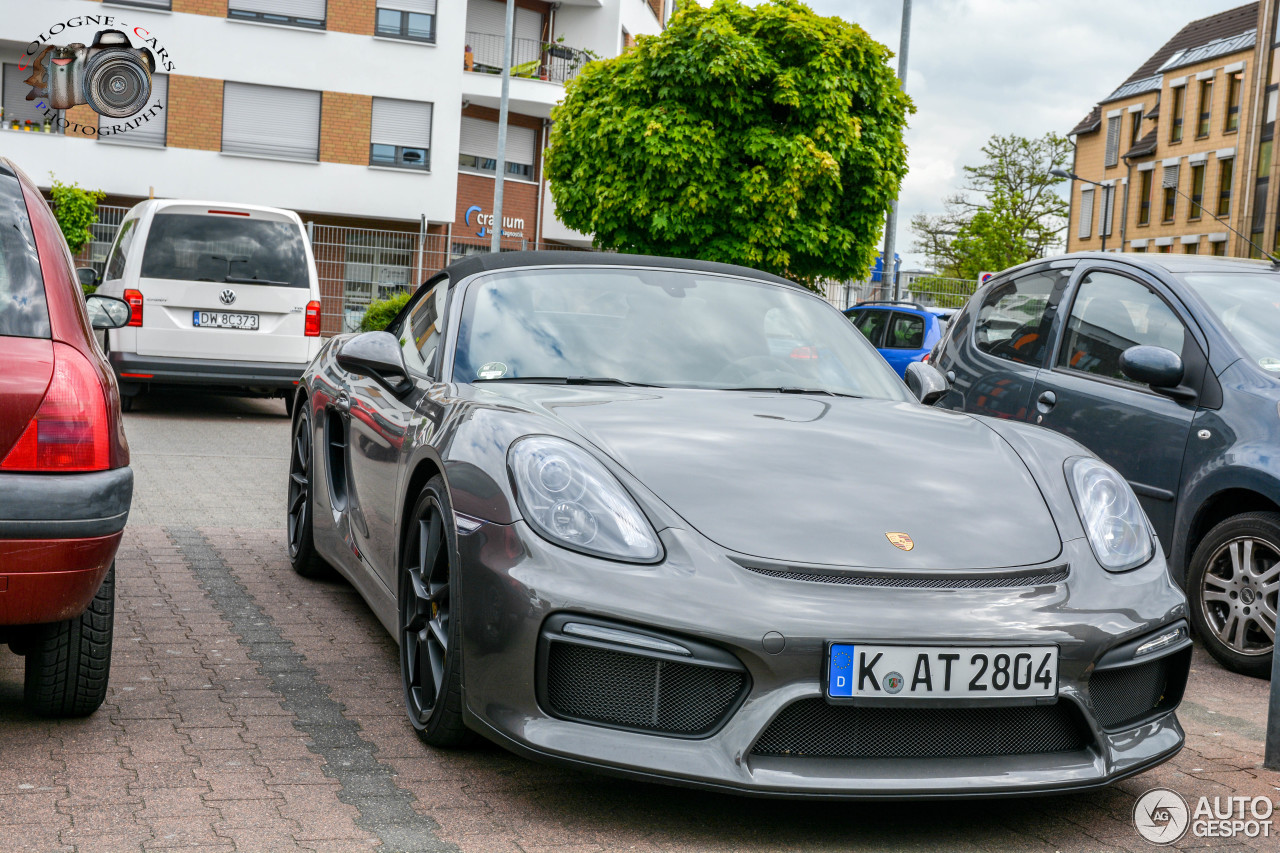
(430, 627)
(302, 552)
(1234, 584)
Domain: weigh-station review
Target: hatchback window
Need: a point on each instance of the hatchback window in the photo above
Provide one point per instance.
(1014, 318)
(906, 332)
(23, 311)
(1110, 314)
(1248, 304)
(872, 324)
(236, 249)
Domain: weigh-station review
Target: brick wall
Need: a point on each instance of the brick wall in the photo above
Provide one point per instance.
(344, 128)
(217, 8)
(195, 112)
(351, 16)
(82, 115)
(519, 201)
(657, 6)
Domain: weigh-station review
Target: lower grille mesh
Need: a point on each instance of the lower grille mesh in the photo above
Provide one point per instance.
(1129, 693)
(639, 692)
(814, 729)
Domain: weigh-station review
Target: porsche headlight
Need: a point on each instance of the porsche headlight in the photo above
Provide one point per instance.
(1113, 520)
(572, 500)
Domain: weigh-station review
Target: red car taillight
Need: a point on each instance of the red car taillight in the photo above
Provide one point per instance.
(69, 430)
(313, 319)
(134, 298)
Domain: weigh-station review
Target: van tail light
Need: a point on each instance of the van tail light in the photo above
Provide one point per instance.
(313, 319)
(134, 298)
(69, 431)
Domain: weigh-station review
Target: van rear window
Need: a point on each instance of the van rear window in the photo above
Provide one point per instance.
(199, 247)
(23, 310)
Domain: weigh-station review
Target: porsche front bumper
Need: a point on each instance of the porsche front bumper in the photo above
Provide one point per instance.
(777, 735)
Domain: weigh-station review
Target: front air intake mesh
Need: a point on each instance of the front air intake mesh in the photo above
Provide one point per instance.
(639, 692)
(1130, 693)
(811, 728)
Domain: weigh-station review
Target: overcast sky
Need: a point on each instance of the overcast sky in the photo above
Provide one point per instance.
(981, 67)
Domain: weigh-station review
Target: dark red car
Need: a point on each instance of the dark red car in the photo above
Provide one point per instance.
(65, 481)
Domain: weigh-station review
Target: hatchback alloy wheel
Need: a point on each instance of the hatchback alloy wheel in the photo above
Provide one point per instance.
(1239, 592)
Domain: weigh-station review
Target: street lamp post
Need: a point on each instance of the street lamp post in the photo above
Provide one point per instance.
(1107, 191)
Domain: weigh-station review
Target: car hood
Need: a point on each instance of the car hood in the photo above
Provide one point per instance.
(819, 480)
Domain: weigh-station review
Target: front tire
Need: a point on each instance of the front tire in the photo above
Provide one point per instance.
(68, 663)
(300, 500)
(430, 622)
(1233, 584)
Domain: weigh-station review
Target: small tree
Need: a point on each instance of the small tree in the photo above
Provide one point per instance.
(763, 135)
(76, 210)
(381, 312)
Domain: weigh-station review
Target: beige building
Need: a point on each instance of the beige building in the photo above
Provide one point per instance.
(1186, 138)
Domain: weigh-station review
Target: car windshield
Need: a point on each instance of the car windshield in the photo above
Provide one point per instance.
(1248, 304)
(665, 328)
(220, 247)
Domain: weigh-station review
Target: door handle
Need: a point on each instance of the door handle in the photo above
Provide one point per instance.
(343, 404)
(951, 377)
(1046, 401)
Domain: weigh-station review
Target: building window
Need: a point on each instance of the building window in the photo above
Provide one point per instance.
(19, 113)
(268, 121)
(407, 19)
(1085, 230)
(486, 28)
(1190, 248)
(400, 134)
(146, 4)
(1178, 94)
(1219, 248)
(1224, 186)
(293, 13)
(1206, 108)
(1135, 127)
(1109, 197)
(1197, 191)
(145, 127)
(1232, 121)
(1144, 196)
(1170, 185)
(1142, 248)
(478, 148)
(1113, 141)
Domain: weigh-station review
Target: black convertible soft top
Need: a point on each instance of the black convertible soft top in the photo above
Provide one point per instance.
(473, 264)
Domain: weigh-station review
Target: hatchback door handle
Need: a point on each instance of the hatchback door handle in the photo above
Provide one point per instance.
(1046, 401)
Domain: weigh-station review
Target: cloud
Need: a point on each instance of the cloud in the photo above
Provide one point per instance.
(981, 67)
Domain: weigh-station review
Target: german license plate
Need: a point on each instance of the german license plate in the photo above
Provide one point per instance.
(857, 670)
(224, 320)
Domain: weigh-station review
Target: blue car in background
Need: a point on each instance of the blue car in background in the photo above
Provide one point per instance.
(903, 332)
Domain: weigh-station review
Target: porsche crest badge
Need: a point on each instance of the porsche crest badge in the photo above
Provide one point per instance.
(900, 541)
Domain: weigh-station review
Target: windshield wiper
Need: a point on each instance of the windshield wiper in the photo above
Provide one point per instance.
(569, 380)
(793, 390)
(237, 279)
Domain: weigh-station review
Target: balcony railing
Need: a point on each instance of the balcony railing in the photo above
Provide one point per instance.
(529, 58)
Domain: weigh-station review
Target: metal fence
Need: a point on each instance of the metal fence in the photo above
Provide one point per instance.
(929, 291)
(532, 58)
(94, 253)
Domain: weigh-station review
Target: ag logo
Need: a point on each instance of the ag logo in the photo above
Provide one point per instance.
(901, 541)
(227, 296)
(1161, 816)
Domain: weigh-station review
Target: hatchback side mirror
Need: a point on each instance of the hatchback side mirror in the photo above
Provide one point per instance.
(376, 355)
(88, 276)
(926, 382)
(107, 312)
(1157, 367)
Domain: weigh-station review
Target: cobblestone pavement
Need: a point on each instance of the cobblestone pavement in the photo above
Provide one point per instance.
(252, 710)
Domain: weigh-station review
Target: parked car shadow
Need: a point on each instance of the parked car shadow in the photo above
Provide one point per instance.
(203, 404)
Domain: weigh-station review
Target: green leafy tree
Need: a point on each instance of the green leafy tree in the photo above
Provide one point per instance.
(381, 312)
(76, 210)
(1009, 211)
(767, 136)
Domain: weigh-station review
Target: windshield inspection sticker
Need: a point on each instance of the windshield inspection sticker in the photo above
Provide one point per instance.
(492, 370)
(1272, 364)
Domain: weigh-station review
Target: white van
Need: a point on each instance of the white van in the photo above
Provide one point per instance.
(224, 296)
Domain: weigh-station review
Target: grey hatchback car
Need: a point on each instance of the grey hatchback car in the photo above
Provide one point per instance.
(1167, 367)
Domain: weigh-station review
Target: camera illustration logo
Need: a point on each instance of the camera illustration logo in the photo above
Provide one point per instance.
(111, 75)
(1161, 816)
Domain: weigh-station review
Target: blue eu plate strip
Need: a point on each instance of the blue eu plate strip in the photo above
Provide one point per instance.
(840, 676)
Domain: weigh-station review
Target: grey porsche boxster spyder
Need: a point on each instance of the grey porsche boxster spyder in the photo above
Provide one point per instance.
(679, 521)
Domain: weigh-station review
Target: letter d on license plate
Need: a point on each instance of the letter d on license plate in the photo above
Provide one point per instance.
(861, 671)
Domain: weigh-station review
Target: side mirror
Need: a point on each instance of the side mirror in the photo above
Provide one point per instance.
(376, 355)
(107, 312)
(1154, 366)
(926, 382)
(88, 276)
